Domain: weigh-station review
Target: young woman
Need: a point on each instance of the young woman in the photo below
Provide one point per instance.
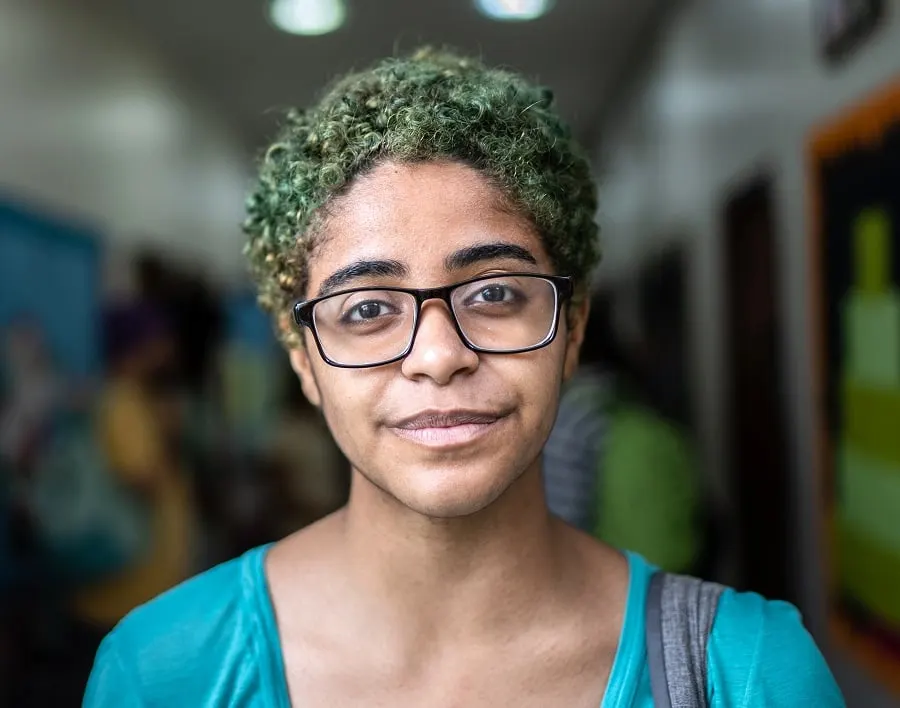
(424, 237)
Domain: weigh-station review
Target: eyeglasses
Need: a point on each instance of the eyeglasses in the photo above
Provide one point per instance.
(509, 313)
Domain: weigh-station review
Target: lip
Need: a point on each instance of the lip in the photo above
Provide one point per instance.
(447, 428)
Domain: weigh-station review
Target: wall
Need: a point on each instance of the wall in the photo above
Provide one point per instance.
(93, 127)
(733, 85)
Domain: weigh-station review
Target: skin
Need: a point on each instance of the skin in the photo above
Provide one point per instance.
(444, 581)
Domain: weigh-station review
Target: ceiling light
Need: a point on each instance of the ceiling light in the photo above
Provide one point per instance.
(513, 9)
(307, 17)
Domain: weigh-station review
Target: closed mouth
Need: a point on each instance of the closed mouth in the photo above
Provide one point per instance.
(447, 429)
(447, 419)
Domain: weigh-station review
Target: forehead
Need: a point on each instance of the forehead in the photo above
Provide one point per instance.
(418, 213)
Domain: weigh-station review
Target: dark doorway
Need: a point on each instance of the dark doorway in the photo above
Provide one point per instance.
(757, 440)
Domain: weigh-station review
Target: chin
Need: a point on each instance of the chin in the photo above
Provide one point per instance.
(447, 508)
(449, 494)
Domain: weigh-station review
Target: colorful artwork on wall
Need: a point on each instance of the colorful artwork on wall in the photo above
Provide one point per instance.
(855, 251)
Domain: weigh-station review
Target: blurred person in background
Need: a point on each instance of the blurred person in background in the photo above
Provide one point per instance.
(649, 496)
(192, 307)
(424, 237)
(658, 403)
(313, 473)
(138, 433)
(36, 395)
(34, 389)
(31, 390)
(617, 465)
(573, 451)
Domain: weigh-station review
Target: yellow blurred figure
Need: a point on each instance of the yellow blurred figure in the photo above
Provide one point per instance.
(133, 431)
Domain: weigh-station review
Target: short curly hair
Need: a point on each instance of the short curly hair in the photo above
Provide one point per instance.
(431, 105)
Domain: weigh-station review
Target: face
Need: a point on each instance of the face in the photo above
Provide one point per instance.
(481, 419)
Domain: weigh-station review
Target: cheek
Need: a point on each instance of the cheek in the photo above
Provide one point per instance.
(349, 404)
(539, 384)
(546, 399)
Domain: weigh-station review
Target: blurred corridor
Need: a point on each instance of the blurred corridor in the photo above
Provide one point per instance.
(742, 362)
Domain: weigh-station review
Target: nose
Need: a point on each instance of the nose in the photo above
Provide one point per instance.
(438, 352)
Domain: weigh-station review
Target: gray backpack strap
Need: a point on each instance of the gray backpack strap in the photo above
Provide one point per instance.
(656, 660)
(679, 617)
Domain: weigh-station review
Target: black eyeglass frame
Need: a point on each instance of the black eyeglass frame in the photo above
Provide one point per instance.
(563, 286)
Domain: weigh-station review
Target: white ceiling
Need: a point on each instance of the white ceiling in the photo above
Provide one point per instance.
(226, 51)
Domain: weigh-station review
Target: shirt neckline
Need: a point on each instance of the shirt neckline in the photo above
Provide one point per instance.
(630, 660)
(272, 666)
(624, 677)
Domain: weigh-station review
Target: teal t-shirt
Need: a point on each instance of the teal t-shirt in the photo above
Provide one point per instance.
(212, 642)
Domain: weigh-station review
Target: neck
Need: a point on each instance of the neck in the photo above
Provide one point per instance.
(476, 574)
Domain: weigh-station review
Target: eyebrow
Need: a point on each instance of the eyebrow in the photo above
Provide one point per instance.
(487, 252)
(395, 269)
(362, 269)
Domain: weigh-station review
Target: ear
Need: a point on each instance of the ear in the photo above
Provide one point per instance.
(302, 366)
(298, 353)
(576, 320)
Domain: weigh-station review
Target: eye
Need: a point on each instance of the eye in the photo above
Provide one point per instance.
(493, 293)
(495, 297)
(368, 310)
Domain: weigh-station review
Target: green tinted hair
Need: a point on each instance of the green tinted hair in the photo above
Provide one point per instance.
(432, 105)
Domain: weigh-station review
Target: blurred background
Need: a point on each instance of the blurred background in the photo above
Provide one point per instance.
(741, 377)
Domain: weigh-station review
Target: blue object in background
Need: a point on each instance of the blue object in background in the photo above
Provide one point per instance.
(252, 369)
(50, 274)
(247, 324)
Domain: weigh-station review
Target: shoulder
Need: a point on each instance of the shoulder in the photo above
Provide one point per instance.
(761, 654)
(182, 645)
